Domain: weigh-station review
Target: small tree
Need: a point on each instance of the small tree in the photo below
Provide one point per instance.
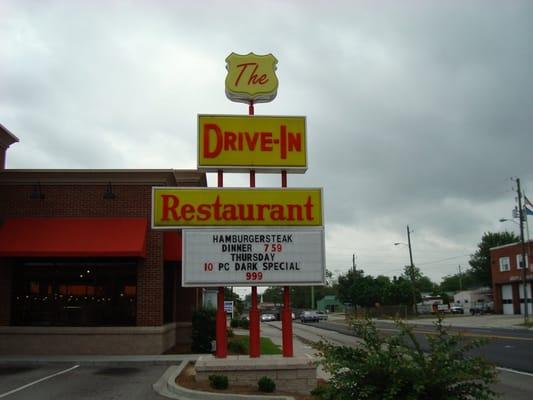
(395, 367)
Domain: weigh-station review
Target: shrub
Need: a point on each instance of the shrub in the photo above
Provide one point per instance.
(235, 323)
(218, 381)
(230, 332)
(395, 367)
(244, 323)
(266, 384)
(203, 330)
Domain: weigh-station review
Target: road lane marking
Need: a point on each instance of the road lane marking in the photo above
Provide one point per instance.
(514, 371)
(37, 381)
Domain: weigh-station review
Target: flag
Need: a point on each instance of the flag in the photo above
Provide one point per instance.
(527, 202)
(528, 211)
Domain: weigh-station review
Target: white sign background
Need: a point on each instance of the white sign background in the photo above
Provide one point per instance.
(253, 257)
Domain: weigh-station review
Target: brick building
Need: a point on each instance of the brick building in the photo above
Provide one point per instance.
(507, 278)
(81, 272)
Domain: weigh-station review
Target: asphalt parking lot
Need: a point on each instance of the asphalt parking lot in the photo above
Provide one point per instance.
(73, 381)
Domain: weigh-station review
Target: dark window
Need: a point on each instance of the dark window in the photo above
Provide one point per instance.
(75, 293)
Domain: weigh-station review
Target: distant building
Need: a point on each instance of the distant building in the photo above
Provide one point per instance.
(480, 298)
(330, 304)
(507, 278)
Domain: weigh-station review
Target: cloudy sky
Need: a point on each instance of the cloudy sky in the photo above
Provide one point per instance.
(418, 112)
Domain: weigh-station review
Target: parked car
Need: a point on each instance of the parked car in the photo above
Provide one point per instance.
(457, 310)
(322, 315)
(309, 316)
(480, 308)
(268, 317)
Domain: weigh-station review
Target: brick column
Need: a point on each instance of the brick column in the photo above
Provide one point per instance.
(150, 282)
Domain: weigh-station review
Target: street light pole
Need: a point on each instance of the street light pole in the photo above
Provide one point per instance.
(412, 269)
(524, 262)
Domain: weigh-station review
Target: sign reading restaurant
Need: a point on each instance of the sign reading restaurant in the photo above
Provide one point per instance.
(222, 207)
(259, 142)
(249, 257)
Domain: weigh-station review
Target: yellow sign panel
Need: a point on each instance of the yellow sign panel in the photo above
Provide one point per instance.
(251, 142)
(251, 78)
(211, 207)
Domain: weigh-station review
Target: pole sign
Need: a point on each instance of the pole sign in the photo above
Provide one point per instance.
(239, 143)
(223, 207)
(251, 78)
(253, 257)
(228, 307)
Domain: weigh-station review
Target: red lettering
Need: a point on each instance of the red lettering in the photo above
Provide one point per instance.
(218, 140)
(216, 206)
(186, 212)
(203, 212)
(295, 141)
(251, 141)
(170, 203)
(230, 139)
(260, 209)
(266, 141)
(253, 78)
(309, 209)
(283, 142)
(243, 68)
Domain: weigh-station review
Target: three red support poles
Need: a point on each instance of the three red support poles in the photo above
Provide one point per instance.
(286, 314)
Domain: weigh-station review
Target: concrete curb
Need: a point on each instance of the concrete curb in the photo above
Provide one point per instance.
(166, 386)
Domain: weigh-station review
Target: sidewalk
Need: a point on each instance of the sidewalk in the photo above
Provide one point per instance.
(494, 321)
(97, 360)
(487, 321)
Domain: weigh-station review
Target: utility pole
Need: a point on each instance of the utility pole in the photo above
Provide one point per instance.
(460, 279)
(412, 268)
(354, 279)
(524, 262)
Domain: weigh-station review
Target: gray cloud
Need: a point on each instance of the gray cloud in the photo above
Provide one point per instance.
(418, 112)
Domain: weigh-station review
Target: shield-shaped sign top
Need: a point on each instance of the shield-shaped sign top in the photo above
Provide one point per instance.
(251, 78)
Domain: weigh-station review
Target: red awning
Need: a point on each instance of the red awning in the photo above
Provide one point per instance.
(73, 237)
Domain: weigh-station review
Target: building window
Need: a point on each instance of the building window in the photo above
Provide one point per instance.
(504, 264)
(75, 293)
(519, 261)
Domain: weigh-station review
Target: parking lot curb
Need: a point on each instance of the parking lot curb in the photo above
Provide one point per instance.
(167, 386)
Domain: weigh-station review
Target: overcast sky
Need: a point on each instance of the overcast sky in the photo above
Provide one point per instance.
(418, 112)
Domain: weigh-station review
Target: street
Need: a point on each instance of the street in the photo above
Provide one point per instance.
(506, 348)
(515, 385)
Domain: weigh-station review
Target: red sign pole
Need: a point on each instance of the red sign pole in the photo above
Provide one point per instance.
(255, 330)
(221, 333)
(286, 317)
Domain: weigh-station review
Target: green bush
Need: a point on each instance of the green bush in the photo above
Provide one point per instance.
(218, 381)
(235, 323)
(203, 330)
(266, 384)
(396, 367)
(244, 323)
